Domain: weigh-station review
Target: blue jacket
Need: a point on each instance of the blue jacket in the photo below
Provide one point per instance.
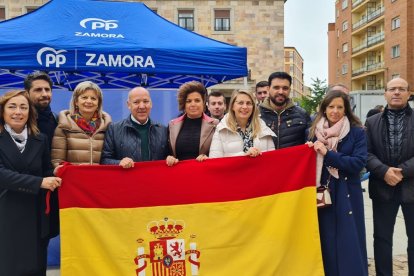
(342, 225)
(122, 140)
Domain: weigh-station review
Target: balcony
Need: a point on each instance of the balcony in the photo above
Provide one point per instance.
(372, 40)
(368, 68)
(356, 3)
(375, 14)
(368, 18)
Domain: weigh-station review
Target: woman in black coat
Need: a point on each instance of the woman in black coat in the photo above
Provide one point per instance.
(24, 186)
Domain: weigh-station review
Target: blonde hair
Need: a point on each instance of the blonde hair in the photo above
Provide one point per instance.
(80, 89)
(254, 117)
(32, 118)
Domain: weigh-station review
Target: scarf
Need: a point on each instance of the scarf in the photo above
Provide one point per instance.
(246, 136)
(19, 139)
(89, 127)
(330, 137)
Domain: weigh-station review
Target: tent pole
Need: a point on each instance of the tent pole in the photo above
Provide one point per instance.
(245, 83)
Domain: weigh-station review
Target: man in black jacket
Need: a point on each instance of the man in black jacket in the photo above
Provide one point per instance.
(390, 137)
(136, 138)
(288, 121)
(39, 86)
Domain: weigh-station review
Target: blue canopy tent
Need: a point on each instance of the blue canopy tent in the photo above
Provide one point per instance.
(115, 44)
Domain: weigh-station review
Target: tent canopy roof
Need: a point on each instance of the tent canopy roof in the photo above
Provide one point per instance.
(116, 44)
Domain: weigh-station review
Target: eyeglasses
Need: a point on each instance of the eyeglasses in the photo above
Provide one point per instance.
(395, 89)
(284, 88)
(244, 103)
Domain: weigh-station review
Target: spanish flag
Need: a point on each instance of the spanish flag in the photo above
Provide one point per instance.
(221, 217)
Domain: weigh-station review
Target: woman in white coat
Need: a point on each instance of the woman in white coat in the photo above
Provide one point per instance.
(241, 131)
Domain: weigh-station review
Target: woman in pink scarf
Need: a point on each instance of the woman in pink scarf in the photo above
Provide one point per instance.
(340, 144)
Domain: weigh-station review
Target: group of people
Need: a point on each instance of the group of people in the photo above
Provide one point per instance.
(34, 143)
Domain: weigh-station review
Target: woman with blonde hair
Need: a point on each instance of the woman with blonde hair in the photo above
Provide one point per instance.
(241, 131)
(80, 133)
(26, 182)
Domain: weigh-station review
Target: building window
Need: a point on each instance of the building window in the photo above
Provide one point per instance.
(31, 9)
(344, 47)
(345, 26)
(395, 23)
(344, 69)
(186, 19)
(394, 76)
(222, 20)
(344, 4)
(395, 51)
(337, 13)
(154, 10)
(337, 52)
(2, 13)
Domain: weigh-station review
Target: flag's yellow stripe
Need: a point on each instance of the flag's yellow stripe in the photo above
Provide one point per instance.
(272, 235)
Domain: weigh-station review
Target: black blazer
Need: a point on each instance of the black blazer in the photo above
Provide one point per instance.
(24, 227)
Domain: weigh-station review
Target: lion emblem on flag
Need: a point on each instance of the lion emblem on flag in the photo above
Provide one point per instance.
(167, 254)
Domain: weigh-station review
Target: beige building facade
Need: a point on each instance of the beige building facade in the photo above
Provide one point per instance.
(257, 25)
(373, 42)
(294, 66)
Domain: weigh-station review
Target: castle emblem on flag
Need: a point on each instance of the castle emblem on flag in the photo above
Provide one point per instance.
(167, 254)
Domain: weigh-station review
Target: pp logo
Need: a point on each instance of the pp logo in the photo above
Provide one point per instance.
(97, 23)
(51, 57)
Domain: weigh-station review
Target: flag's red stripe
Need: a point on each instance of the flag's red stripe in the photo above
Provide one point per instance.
(215, 180)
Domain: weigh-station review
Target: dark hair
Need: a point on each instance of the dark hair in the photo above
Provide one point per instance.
(187, 88)
(373, 112)
(31, 120)
(262, 84)
(37, 75)
(280, 75)
(329, 88)
(215, 94)
(329, 97)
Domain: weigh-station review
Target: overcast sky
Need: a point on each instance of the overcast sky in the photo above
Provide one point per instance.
(306, 27)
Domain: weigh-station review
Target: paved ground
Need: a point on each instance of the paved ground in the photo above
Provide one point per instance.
(400, 242)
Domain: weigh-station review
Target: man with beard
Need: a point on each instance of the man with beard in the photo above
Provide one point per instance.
(39, 86)
(288, 121)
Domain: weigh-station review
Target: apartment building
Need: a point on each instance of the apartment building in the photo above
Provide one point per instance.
(371, 42)
(294, 66)
(257, 25)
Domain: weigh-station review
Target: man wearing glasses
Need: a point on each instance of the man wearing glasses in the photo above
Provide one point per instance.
(390, 137)
(288, 121)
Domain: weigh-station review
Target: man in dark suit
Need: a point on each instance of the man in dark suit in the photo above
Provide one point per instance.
(391, 165)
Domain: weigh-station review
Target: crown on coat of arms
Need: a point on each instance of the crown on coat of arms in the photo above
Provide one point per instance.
(166, 228)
